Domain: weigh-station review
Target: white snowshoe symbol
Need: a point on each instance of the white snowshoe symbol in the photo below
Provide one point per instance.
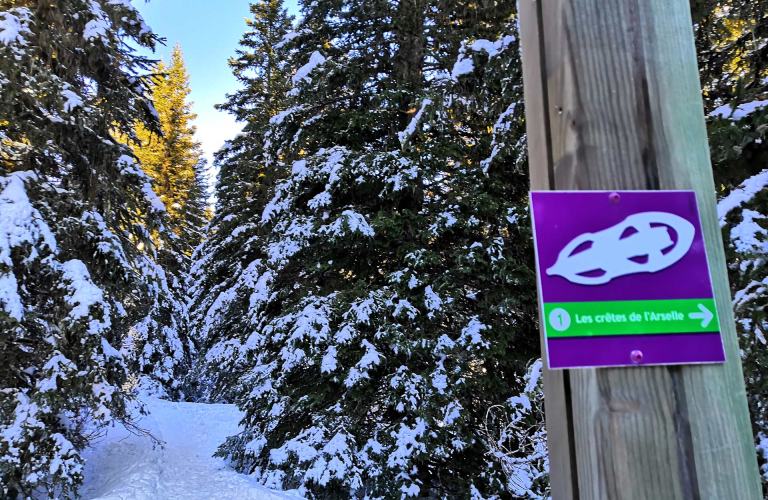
(630, 247)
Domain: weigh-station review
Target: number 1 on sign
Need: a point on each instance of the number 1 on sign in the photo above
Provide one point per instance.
(560, 319)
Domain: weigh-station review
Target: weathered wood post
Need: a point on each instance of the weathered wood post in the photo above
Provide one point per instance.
(613, 102)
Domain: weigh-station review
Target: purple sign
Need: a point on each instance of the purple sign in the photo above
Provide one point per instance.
(624, 279)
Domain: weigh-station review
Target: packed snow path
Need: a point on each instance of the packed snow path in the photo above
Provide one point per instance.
(122, 466)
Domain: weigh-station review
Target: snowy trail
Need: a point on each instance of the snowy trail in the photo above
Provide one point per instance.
(126, 467)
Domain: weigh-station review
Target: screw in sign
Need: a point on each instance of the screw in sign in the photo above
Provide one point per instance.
(624, 279)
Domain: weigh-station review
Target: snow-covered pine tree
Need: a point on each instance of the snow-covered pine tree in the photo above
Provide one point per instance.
(744, 218)
(159, 346)
(222, 275)
(395, 302)
(732, 43)
(75, 210)
(197, 210)
(484, 88)
(733, 60)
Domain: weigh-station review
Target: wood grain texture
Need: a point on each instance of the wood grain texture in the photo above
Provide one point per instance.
(557, 402)
(613, 102)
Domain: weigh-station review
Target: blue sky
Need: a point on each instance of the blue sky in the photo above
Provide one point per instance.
(209, 33)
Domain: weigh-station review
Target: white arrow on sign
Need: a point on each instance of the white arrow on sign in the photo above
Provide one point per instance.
(705, 315)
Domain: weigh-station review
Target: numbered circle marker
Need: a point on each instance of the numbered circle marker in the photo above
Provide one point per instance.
(559, 319)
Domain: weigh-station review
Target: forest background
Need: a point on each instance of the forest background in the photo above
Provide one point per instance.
(363, 286)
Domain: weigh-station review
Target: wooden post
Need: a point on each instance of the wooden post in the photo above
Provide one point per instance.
(613, 102)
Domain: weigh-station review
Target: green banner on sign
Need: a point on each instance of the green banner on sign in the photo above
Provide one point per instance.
(632, 317)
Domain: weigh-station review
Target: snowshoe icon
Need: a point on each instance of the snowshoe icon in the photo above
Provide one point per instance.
(641, 243)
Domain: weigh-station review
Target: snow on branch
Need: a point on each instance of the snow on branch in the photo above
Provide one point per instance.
(72, 101)
(740, 112)
(411, 128)
(360, 370)
(315, 60)
(155, 202)
(351, 220)
(745, 192)
(20, 225)
(464, 63)
(13, 25)
(278, 118)
(749, 237)
(144, 28)
(288, 37)
(500, 129)
(83, 294)
(97, 27)
(129, 166)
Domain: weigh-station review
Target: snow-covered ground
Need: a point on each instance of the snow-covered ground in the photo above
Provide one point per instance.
(123, 466)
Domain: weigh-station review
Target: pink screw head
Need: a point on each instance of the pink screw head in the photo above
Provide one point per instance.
(614, 198)
(636, 356)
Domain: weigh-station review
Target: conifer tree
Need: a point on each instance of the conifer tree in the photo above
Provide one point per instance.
(733, 62)
(222, 273)
(77, 264)
(391, 302)
(732, 44)
(198, 210)
(159, 346)
(173, 159)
